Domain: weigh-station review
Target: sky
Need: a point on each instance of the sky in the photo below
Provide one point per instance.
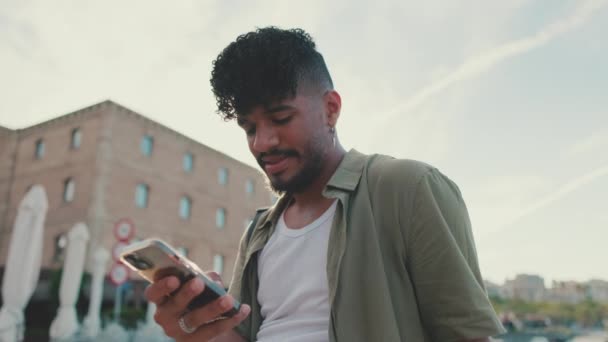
(507, 98)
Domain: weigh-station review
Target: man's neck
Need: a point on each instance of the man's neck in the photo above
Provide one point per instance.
(313, 195)
(307, 206)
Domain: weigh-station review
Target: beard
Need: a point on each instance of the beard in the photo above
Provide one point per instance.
(312, 163)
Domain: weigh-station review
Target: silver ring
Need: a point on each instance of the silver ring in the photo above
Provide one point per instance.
(185, 328)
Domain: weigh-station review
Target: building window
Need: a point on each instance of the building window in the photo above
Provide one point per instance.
(249, 188)
(185, 204)
(141, 195)
(220, 218)
(69, 187)
(76, 138)
(147, 144)
(222, 176)
(39, 153)
(188, 162)
(218, 264)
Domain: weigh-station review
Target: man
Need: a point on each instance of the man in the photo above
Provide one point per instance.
(357, 248)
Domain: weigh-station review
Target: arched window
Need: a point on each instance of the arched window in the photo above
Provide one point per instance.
(220, 218)
(222, 176)
(188, 162)
(69, 188)
(39, 152)
(185, 206)
(147, 145)
(76, 138)
(218, 264)
(141, 195)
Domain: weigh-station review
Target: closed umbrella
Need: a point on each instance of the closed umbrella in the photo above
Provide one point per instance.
(65, 324)
(23, 263)
(92, 323)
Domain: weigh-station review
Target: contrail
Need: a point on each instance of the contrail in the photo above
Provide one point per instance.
(485, 61)
(556, 195)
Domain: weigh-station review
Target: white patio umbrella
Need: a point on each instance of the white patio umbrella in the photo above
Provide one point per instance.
(23, 263)
(65, 325)
(92, 322)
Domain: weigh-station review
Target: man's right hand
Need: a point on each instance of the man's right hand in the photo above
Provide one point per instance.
(170, 308)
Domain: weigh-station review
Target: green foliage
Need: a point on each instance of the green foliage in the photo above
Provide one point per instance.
(55, 279)
(587, 313)
(129, 316)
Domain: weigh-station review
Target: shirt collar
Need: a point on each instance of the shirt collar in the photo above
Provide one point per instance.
(345, 178)
(347, 175)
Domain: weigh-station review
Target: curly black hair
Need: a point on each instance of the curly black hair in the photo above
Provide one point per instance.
(263, 67)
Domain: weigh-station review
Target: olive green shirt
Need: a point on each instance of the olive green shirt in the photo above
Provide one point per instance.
(401, 261)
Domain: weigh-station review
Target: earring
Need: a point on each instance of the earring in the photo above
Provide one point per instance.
(332, 131)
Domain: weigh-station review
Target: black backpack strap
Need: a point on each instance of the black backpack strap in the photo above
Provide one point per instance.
(254, 222)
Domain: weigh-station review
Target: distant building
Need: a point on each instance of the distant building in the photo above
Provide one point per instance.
(494, 290)
(567, 292)
(105, 163)
(531, 288)
(597, 290)
(525, 287)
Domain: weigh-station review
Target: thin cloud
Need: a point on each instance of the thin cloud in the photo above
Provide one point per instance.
(592, 143)
(564, 190)
(489, 59)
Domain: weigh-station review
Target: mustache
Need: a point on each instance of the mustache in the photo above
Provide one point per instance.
(275, 153)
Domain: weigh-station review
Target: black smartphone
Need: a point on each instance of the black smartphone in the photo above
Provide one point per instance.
(154, 259)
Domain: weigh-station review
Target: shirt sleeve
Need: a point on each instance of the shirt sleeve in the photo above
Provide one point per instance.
(442, 259)
(235, 287)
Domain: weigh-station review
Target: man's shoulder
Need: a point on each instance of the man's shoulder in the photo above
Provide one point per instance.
(384, 168)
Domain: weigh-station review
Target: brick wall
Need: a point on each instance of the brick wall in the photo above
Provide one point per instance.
(106, 169)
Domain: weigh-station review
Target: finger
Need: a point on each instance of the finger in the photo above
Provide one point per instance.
(159, 290)
(179, 302)
(216, 328)
(209, 312)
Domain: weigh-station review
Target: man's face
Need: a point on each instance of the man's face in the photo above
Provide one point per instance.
(289, 140)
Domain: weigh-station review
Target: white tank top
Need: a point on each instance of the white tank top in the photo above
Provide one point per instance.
(293, 292)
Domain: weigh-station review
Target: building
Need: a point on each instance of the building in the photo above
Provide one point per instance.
(105, 163)
(526, 287)
(494, 290)
(597, 290)
(570, 292)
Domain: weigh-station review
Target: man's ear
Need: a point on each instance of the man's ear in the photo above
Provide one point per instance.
(333, 105)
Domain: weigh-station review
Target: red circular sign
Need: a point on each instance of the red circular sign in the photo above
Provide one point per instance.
(124, 229)
(119, 274)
